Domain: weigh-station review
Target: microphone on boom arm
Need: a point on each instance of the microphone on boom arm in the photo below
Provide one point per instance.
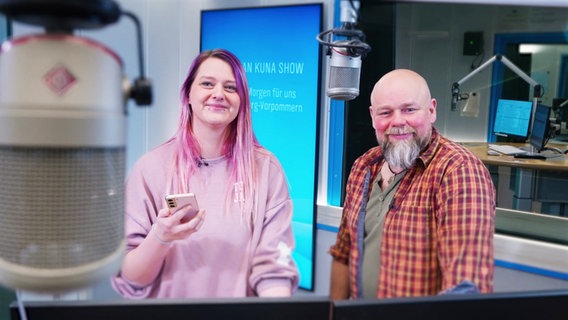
(345, 53)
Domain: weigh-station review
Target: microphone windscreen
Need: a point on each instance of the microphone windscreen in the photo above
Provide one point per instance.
(61, 216)
(62, 163)
(344, 75)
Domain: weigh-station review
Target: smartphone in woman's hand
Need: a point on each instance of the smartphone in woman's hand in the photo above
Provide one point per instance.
(177, 201)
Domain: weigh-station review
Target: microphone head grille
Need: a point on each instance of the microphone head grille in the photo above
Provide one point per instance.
(343, 83)
(60, 208)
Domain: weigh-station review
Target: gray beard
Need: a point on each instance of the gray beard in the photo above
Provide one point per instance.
(404, 153)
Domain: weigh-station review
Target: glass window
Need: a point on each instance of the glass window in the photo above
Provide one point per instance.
(517, 46)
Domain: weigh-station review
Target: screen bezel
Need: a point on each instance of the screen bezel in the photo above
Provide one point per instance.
(250, 308)
(490, 306)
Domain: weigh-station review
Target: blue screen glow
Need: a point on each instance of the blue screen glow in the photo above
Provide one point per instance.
(513, 118)
(281, 56)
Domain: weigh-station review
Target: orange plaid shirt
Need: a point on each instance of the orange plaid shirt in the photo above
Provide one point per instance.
(438, 231)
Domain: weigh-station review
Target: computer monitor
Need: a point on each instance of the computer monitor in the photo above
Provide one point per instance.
(297, 308)
(540, 127)
(548, 305)
(513, 119)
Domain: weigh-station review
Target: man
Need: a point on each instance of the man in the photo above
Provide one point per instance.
(419, 213)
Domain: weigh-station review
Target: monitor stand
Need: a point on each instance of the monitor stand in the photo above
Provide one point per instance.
(530, 155)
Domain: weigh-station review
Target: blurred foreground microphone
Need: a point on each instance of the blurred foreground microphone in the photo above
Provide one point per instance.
(345, 53)
(62, 147)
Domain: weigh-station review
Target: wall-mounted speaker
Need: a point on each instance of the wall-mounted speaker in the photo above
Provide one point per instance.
(472, 43)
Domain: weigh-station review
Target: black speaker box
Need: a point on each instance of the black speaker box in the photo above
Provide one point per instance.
(472, 43)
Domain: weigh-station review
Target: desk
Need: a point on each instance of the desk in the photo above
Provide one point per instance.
(540, 180)
(480, 150)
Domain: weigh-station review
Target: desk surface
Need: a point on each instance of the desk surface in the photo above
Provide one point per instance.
(557, 163)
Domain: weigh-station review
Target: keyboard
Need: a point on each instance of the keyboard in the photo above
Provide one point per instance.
(506, 149)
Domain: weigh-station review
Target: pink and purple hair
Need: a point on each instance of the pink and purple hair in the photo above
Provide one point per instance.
(240, 140)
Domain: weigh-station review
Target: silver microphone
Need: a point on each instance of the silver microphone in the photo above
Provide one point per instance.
(62, 150)
(345, 54)
(62, 154)
(344, 74)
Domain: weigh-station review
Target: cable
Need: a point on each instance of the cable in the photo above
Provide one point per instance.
(21, 309)
(553, 149)
(480, 56)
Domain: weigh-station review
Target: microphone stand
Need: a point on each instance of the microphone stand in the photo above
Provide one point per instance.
(537, 88)
(456, 96)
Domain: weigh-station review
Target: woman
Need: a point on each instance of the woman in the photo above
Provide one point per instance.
(240, 242)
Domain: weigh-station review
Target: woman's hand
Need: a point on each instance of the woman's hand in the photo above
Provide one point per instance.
(175, 226)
